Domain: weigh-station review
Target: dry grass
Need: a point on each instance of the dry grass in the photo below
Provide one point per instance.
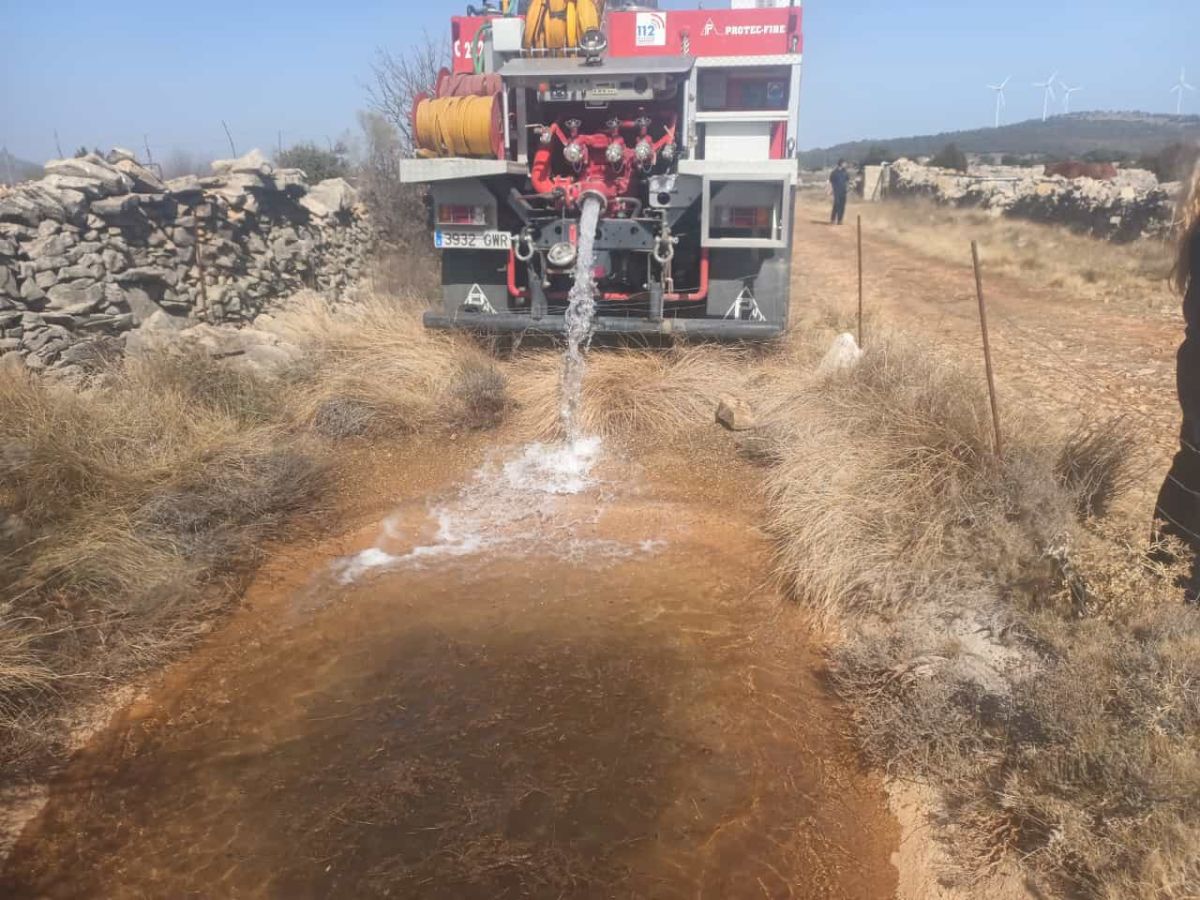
(631, 394)
(131, 511)
(1134, 275)
(877, 470)
(1002, 639)
(375, 370)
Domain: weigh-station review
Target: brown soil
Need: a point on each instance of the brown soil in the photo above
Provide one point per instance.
(647, 725)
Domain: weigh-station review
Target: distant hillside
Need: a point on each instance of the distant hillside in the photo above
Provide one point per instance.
(1072, 135)
(13, 170)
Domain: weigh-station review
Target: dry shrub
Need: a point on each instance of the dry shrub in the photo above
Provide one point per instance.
(886, 489)
(377, 371)
(631, 393)
(1002, 639)
(1096, 466)
(480, 393)
(139, 503)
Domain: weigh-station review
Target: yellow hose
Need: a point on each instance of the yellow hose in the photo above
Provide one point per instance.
(559, 24)
(456, 126)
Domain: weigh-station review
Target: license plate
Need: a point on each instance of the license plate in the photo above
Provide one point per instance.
(472, 240)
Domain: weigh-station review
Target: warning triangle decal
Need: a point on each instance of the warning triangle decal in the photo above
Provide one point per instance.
(477, 299)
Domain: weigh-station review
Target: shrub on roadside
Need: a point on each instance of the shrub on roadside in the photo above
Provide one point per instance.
(1002, 639)
(318, 164)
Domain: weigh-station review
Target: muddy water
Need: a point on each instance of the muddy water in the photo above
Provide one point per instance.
(644, 723)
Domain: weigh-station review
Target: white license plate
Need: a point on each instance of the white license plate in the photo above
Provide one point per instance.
(472, 240)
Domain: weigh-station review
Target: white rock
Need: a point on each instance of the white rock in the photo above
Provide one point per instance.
(253, 163)
(331, 196)
(843, 354)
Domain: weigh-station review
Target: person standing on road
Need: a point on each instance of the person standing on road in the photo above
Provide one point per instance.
(839, 182)
(1177, 512)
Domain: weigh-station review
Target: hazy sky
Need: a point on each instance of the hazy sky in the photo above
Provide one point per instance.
(107, 73)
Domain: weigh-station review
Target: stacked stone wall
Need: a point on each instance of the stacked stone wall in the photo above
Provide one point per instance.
(1130, 206)
(101, 246)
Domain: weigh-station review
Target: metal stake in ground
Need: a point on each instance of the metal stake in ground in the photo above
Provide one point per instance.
(860, 284)
(987, 349)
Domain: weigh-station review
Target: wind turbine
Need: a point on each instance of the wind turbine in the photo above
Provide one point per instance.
(1047, 87)
(1178, 90)
(1067, 92)
(1001, 103)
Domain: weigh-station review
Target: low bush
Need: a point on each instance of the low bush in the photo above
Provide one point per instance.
(1001, 638)
(375, 370)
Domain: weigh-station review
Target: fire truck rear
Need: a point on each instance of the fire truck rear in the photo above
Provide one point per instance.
(681, 124)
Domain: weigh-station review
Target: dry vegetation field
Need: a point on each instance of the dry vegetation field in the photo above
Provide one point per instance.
(1132, 275)
(996, 627)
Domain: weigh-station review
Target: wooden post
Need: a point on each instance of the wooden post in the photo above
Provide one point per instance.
(987, 349)
(860, 283)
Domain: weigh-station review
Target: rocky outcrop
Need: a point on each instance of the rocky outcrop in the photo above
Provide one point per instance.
(1130, 206)
(101, 245)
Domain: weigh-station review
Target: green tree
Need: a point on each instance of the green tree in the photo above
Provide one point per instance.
(1102, 155)
(878, 154)
(316, 163)
(951, 157)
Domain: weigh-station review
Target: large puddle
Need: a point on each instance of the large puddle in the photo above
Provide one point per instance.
(467, 723)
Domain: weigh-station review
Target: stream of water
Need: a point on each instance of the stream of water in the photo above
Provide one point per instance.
(515, 503)
(581, 310)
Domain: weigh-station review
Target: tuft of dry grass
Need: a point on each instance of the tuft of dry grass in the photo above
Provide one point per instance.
(1001, 638)
(631, 393)
(375, 370)
(877, 470)
(132, 509)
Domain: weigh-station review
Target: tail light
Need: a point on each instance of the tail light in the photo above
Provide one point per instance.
(448, 214)
(750, 218)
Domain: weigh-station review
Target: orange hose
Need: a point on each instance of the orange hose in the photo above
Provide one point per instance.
(456, 126)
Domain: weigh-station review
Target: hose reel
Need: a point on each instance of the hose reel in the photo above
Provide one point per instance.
(560, 24)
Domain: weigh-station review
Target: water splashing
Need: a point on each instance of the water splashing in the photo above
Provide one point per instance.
(581, 310)
(516, 503)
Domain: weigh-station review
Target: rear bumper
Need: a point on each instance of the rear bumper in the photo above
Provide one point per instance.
(700, 329)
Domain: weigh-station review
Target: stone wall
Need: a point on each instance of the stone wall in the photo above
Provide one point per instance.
(1131, 206)
(101, 246)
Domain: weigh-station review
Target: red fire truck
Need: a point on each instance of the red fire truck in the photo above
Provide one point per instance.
(682, 124)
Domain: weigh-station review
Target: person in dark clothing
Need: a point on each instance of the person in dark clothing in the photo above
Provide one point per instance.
(839, 181)
(1177, 512)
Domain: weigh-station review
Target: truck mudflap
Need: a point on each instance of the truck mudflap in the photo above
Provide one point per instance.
(699, 329)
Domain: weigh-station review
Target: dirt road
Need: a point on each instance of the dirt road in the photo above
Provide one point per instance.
(1070, 354)
(604, 699)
